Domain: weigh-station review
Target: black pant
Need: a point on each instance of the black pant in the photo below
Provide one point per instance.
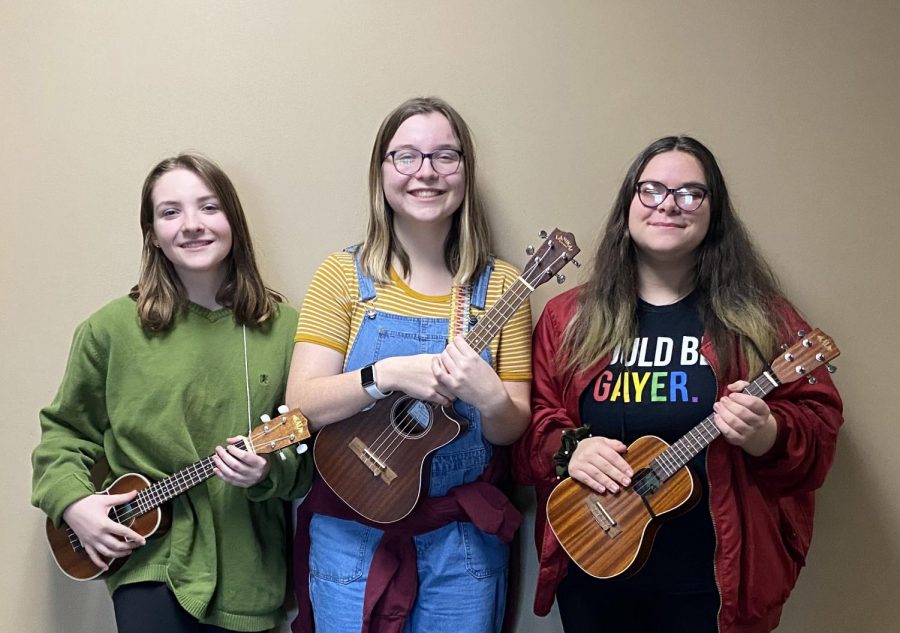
(589, 605)
(149, 607)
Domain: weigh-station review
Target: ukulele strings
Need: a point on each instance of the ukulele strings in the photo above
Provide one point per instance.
(153, 496)
(407, 422)
(138, 506)
(681, 452)
(393, 436)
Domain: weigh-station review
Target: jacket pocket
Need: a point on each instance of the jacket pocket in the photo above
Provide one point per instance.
(796, 530)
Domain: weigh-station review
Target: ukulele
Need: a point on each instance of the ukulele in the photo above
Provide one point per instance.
(145, 513)
(374, 461)
(610, 535)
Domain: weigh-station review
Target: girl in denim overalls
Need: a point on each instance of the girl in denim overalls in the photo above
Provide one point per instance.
(427, 236)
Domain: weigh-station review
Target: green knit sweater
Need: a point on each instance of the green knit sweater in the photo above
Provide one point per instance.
(155, 403)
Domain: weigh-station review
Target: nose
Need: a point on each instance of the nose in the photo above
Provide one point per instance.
(668, 205)
(426, 171)
(193, 221)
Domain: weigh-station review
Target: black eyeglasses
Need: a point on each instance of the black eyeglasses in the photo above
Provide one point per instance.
(409, 161)
(687, 198)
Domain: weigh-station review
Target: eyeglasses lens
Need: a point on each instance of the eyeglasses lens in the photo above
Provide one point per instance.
(409, 161)
(652, 194)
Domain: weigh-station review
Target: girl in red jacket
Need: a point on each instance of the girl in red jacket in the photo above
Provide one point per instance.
(679, 311)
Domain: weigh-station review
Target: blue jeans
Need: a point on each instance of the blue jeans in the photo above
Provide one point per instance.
(462, 577)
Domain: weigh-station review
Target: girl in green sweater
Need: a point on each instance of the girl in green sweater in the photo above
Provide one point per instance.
(157, 381)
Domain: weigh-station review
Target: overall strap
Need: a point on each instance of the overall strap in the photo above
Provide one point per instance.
(479, 291)
(366, 284)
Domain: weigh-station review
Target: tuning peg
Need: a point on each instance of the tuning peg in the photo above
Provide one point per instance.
(542, 234)
(807, 342)
(265, 418)
(576, 263)
(801, 333)
(283, 409)
(560, 278)
(784, 346)
(812, 379)
(529, 250)
(788, 357)
(282, 456)
(831, 368)
(301, 448)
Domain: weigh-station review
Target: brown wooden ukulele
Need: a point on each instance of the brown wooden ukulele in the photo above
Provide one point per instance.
(610, 535)
(145, 514)
(374, 460)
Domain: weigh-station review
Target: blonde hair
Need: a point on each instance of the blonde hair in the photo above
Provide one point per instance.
(738, 290)
(468, 244)
(159, 292)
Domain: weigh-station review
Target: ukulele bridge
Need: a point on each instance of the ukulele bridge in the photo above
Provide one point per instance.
(377, 466)
(602, 517)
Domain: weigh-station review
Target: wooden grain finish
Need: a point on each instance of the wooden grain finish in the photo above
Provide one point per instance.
(624, 549)
(70, 556)
(384, 484)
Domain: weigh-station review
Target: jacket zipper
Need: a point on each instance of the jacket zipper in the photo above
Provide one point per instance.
(712, 516)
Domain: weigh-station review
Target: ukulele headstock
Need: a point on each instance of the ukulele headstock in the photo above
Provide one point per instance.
(813, 350)
(557, 249)
(289, 427)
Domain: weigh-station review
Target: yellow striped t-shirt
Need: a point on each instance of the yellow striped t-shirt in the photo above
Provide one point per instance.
(332, 313)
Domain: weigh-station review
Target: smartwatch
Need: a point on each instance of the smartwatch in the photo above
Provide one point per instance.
(368, 379)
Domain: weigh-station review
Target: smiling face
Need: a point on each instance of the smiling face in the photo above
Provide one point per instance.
(667, 234)
(425, 197)
(190, 227)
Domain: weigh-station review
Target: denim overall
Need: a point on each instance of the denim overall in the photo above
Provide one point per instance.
(462, 570)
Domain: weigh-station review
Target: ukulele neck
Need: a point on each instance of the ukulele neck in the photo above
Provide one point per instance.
(681, 452)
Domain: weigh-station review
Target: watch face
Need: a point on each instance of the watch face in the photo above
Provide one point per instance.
(367, 375)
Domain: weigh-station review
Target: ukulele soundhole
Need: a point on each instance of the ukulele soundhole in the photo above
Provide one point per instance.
(645, 482)
(125, 513)
(411, 418)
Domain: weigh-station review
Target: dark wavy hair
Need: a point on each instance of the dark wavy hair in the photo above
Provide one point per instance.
(738, 290)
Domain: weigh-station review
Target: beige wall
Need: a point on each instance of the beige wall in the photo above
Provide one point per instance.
(798, 99)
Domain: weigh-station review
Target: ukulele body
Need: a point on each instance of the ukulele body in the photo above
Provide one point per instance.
(611, 534)
(375, 461)
(67, 550)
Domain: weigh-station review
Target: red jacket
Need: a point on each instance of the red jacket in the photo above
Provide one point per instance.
(762, 507)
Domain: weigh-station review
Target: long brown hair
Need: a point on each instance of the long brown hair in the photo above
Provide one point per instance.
(737, 289)
(468, 244)
(159, 292)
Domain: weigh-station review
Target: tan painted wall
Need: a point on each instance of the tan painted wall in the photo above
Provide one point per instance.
(798, 99)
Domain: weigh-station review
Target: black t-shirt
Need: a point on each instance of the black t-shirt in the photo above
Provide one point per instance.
(667, 389)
